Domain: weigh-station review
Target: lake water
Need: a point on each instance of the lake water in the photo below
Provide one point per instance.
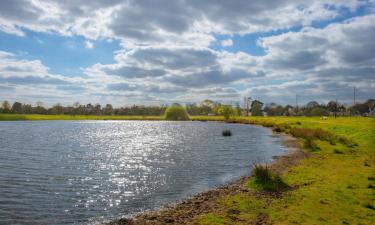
(67, 172)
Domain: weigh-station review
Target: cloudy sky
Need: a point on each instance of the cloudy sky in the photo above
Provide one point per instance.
(160, 51)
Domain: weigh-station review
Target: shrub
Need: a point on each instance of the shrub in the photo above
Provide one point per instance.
(262, 173)
(227, 111)
(309, 143)
(267, 180)
(176, 112)
(337, 151)
(281, 127)
(345, 141)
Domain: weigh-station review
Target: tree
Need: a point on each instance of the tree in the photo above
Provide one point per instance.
(312, 104)
(6, 107)
(57, 109)
(39, 109)
(226, 110)
(108, 109)
(318, 111)
(17, 108)
(176, 112)
(256, 108)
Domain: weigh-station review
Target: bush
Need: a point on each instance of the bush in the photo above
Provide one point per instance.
(309, 143)
(227, 111)
(281, 127)
(262, 173)
(322, 135)
(176, 112)
(337, 151)
(267, 180)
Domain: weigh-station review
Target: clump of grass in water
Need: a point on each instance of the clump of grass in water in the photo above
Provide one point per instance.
(227, 133)
(266, 179)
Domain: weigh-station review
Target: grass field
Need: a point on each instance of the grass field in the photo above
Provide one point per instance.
(335, 185)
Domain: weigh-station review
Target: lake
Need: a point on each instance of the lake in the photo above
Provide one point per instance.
(84, 172)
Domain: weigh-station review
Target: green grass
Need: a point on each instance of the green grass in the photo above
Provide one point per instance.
(212, 219)
(333, 186)
(266, 179)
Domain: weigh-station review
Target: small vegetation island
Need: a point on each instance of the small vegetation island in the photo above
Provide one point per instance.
(328, 176)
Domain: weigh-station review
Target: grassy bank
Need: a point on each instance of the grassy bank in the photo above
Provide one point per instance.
(335, 185)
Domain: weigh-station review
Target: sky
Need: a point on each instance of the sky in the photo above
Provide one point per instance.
(152, 52)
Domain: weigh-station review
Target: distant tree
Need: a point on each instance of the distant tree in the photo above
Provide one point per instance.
(370, 104)
(275, 110)
(57, 109)
(176, 112)
(312, 104)
(17, 108)
(39, 109)
(27, 109)
(319, 111)
(108, 110)
(359, 109)
(227, 111)
(6, 107)
(98, 109)
(256, 108)
(238, 109)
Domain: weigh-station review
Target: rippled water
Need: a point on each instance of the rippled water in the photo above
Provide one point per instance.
(66, 172)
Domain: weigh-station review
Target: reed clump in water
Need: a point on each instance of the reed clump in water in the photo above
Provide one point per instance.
(227, 133)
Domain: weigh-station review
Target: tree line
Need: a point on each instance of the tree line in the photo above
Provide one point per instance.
(206, 107)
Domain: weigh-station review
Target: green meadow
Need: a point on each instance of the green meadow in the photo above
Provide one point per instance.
(334, 185)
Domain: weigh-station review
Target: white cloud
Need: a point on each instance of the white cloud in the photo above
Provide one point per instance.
(227, 43)
(166, 49)
(89, 45)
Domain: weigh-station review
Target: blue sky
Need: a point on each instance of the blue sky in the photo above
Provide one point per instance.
(106, 53)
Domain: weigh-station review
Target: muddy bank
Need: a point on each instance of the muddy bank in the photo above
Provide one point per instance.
(188, 210)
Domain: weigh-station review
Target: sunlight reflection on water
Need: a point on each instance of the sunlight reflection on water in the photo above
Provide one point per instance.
(79, 172)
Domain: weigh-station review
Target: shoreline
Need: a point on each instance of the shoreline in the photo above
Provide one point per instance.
(188, 210)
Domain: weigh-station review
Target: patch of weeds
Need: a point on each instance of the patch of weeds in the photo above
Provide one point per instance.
(337, 151)
(332, 141)
(267, 124)
(241, 204)
(367, 163)
(307, 133)
(281, 128)
(371, 186)
(266, 179)
(298, 123)
(371, 178)
(369, 206)
(320, 134)
(349, 143)
(309, 143)
(212, 219)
